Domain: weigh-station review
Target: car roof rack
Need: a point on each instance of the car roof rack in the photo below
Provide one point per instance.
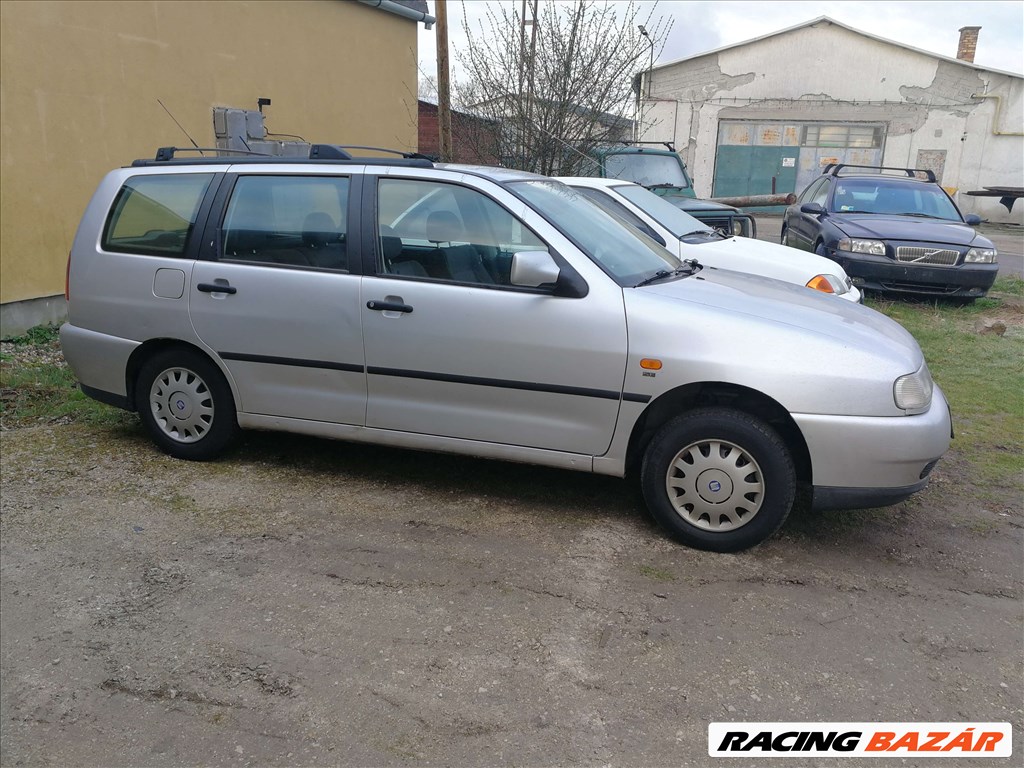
(833, 169)
(333, 153)
(630, 143)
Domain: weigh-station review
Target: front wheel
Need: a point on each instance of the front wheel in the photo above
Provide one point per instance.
(186, 404)
(718, 479)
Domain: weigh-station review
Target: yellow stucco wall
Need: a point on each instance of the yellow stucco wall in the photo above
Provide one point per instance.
(79, 83)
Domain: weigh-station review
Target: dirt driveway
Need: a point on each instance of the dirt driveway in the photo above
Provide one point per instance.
(313, 603)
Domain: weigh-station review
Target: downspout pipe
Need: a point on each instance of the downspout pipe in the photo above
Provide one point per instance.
(402, 10)
(995, 117)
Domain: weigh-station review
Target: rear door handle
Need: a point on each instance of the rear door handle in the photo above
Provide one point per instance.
(388, 306)
(216, 288)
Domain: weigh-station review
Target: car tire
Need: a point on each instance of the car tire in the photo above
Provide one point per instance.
(821, 250)
(718, 479)
(186, 404)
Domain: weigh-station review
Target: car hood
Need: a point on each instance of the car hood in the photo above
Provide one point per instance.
(784, 304)
(756, 257)
(910, 228)
(807, 351)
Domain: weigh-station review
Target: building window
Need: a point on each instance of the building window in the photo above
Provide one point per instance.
(847, 135)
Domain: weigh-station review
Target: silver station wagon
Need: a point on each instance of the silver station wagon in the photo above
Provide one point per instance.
(492, 313)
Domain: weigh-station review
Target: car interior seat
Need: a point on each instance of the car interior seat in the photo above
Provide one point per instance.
(462, 262)
(323, 242)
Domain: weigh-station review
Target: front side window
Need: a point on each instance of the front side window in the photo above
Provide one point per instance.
(298, 221)
(813, 191)
(154, 215)
(431, 229)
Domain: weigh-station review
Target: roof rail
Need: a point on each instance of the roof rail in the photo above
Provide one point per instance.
(406, 155)
(167, 153)
(629, 142)
(833, 169)
(317, 152)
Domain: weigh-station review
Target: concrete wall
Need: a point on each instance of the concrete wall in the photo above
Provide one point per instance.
(80, 83)
(828, 73)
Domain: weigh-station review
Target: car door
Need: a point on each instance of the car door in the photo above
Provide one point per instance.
(454, 350)
(276, 298)
(802, 229)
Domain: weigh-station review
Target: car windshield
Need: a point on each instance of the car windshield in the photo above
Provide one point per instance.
(624, 253)
(678, 222)
(646, 168)
(891, 196)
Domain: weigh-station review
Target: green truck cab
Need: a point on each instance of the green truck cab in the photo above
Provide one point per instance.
(662, 170)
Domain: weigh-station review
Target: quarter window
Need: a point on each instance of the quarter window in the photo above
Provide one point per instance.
(298, 221)
(154, 215)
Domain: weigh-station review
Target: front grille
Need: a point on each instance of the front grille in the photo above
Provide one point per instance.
(940, 257)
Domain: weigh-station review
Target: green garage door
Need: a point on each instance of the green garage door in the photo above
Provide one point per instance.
(758, 158)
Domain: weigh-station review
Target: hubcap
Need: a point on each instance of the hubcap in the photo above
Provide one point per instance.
(182, 405)
(715, 485)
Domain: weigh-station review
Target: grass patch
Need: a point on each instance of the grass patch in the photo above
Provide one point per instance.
(656, 574)
(980, 374)
(36, 386)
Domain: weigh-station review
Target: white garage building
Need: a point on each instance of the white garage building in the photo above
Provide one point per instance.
(774, 110)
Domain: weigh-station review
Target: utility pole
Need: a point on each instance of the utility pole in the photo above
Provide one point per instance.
(444, 104)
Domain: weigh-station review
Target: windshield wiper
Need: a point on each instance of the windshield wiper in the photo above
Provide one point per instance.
(702, 232)
(685, 269)
(915, 213)
(663, 185)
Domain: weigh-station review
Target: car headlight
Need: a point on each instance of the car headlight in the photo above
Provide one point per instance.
(913, 392)
(828, 284)
(981, 256)
(737, 227)
(871, 247)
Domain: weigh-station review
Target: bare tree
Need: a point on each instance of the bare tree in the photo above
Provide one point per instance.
(560, 86)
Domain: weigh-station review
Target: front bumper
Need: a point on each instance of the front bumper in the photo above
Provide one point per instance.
(864, 461)
(881, 273)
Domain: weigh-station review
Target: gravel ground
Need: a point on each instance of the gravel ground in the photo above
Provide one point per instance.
(304, 602)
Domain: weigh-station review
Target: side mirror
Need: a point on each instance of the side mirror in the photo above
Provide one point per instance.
(814, 209)
(532, 269)
(973, 219)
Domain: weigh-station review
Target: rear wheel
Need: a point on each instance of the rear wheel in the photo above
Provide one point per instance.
(186, 404)
(718, 479)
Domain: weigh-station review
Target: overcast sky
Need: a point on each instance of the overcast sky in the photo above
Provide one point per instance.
(704, 26)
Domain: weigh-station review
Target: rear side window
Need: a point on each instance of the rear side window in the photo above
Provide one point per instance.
(154, 215)
(296, 221)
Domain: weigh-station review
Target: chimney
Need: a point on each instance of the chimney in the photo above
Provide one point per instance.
(968, 44)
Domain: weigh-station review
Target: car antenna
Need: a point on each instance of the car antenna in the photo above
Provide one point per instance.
(180, 126)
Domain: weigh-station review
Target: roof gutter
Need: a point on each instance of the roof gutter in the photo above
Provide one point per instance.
(402, 10)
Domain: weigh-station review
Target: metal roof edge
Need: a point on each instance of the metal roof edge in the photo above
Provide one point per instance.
(847, 27)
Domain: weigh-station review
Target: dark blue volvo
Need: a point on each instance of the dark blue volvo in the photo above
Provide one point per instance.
(892, 232)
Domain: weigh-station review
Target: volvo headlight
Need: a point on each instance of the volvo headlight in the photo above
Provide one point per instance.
(981, 256)
(870, 247)
(913, 392)
(828, 284)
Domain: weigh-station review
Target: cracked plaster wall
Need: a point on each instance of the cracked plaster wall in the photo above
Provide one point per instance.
(827, 73)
